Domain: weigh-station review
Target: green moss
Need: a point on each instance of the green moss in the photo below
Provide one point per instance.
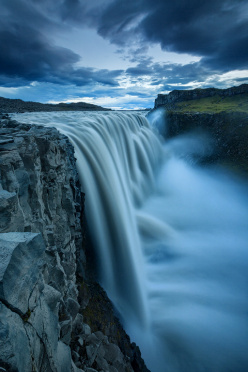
(216, 104)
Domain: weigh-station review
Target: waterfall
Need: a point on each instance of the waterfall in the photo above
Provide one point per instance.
(170, 238)
(117, 161)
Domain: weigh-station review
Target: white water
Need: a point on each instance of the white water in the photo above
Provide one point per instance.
(171, 240)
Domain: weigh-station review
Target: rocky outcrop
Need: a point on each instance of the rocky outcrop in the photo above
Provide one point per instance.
(168, 100)
(29, 307)
(43, 309)
(8, 105)
(40, 203)
(99, 314)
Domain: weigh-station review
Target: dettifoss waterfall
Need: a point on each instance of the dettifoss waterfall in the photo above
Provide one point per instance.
(171, 239)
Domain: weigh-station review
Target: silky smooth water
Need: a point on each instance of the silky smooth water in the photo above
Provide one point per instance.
(171, 239)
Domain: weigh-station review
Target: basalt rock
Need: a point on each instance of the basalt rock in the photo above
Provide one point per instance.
(228, 131)
(168, 100)
(40, 204)
(29, 307)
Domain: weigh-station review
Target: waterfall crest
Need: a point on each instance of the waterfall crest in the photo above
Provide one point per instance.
(117, 159)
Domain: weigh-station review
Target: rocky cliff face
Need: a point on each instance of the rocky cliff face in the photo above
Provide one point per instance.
(229, 132)
(42, 263)
(168, 100)
(40, 203)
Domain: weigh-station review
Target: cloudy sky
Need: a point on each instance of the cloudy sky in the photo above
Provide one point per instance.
(120, 53)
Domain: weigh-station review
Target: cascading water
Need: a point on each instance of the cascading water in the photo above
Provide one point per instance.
(171, 240)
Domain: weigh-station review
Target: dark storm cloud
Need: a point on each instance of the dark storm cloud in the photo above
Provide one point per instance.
(214, 30)
(33, 57)
(25, 50)
(83, 76)
(27, 53)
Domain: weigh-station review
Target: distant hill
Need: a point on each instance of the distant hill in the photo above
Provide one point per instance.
(212, 100)
(17, 105)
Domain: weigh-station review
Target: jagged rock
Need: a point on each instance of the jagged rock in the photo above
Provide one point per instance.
(72, 307)
(104, 355)
(80, 341)
(65, 331)
(99, 314)
(75, 356)
(86, 329)
(76, 369)
(14, 343)
(29, 307)
(10, 214)
(101, 336)
(39, 193)
(78, 324)
(228, 131)
(21, 260)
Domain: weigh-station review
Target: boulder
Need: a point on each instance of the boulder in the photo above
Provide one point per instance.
(21, 262)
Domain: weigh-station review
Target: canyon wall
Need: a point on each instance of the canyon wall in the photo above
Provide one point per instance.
(175, 96)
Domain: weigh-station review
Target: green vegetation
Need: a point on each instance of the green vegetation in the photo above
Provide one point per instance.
(216, 104)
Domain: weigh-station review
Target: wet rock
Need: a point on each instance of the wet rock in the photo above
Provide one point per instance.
(98, 312)
(78, 324)
(228, 132)
(80, 341)
(86, 329)
(10, 213)
(29, 307)
(72, 307)
(65, 331)
(21, 260)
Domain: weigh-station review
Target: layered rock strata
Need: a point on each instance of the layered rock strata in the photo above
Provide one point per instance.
(168, 100)
(40, 204)
(42, 263)
(228, 131)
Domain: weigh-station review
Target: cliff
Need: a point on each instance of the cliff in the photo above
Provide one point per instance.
(229, 133)
(169, 100)
(17, 105)
(221, 113)
(54, 318)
